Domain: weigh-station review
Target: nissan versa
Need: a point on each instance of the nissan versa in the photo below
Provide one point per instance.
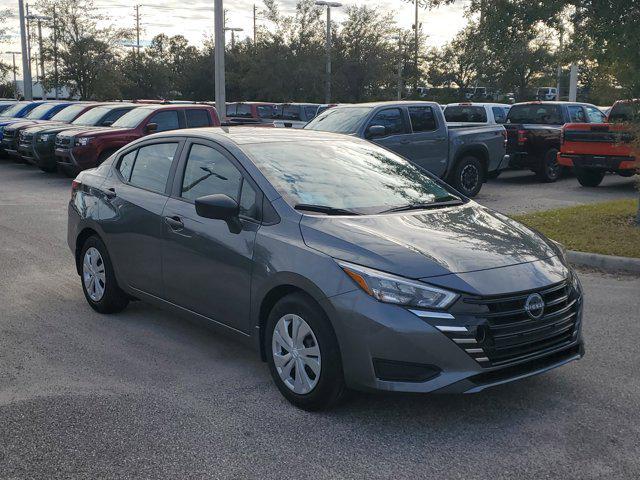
(344, 265)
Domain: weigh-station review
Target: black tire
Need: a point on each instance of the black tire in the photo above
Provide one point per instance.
(49, 167)
(549, 170)
(330, 386)
(589, 178)
(468, 176)
(114, 299)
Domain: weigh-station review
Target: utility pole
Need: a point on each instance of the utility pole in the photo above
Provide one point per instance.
(56, 79)
(323, 3)
(40, 48)
(573, 83)
(26, 63)
(400, 65)
(560, 51)
(416, 27)
(233, 35)
(219, 73)
(137, 7)
(255, 10)
(15, 80)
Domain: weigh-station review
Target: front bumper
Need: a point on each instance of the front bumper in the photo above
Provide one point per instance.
(370, 332)
(76, 158)
(9, 146)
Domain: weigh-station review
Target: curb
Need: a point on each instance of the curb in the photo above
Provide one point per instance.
(608, 263)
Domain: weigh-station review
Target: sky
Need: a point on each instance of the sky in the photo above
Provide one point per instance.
(194, 18)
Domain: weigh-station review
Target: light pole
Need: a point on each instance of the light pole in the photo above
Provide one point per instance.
(400, 65)
(219, 60)
(26, 67)
(233, 31)
(322, 3)
(15, 80)
(39, 19)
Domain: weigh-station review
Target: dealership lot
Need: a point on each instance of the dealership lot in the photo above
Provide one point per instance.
(145, 393)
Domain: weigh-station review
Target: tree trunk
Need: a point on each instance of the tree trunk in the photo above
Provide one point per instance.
(638, 214)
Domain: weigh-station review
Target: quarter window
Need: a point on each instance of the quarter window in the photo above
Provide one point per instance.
(391, 119)
(126, 165)
(166, 120)
(422, 119)
(197, 118)
(152, 166)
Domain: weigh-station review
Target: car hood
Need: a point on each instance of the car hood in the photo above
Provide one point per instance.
(94, 131)
(51, 128)
(431, 243)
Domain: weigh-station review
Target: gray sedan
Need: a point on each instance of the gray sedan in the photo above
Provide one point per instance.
(342, 264)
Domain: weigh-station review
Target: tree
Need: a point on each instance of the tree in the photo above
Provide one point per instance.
(6, 86)
(458, 62)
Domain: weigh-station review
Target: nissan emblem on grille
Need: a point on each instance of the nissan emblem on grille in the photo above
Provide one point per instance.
(534, 306)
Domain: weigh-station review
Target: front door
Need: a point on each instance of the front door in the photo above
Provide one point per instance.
(396, 135)
(206, 267)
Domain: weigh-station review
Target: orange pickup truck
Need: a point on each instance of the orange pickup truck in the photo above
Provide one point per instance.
(594, 149)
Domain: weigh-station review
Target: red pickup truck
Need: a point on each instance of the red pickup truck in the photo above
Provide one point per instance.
(593, 149)
(88, 147)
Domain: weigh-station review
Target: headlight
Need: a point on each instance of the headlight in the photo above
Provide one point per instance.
(83, 141)
(388, 288)
(44, 137)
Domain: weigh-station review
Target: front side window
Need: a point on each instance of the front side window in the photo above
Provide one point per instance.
(197, 118)
(209, 172)
(595, 116)
(422, 119)
(391, 119)
(152, 166)
(166, 120)
(344, 174)
(291, 112)
(266, 111)
(576, 114)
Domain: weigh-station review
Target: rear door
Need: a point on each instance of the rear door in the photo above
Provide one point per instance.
(428, 146)
(207, 268)
(136, 194)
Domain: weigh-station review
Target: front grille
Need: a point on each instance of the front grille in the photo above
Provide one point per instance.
(63, 142)
(26, 138)
(8, 134)
(505, 333)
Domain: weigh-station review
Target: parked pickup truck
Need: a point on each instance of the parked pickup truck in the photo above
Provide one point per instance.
(37, 143)
(533, 133)
(294, 115)
(84, 148)
(250, 113)
(15, 113)
(465, 157)
(595, 149)
(457, 114)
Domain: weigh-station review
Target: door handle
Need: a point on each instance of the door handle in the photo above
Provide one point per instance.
(174, 223)
(110, 192)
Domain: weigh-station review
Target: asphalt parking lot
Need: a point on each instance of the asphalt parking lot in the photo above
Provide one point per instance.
(146, 394)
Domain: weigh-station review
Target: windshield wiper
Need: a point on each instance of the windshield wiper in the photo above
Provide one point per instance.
(324, 209)
(425, 206)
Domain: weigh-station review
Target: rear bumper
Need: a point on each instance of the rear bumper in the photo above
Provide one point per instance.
(612, 163)
(522, 160)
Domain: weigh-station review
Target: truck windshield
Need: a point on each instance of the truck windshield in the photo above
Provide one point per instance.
(14, 109)
(69, 113)
(340, 120)
(345, 175)
(537, 114)
(40, 111)
(133, 118)
(465, 113)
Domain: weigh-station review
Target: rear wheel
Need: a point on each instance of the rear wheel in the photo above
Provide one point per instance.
(468, 176)
(549, 170)
(589, 178)
(98, 278)
(303, 354)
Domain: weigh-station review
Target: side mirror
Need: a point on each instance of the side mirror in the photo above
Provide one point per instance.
(220, 207)
(151, 128)
(108, 123)
(376, 131)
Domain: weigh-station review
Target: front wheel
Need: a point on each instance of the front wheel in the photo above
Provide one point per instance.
(468, 176)
(589, 178)
(549, 170)
(303, 354)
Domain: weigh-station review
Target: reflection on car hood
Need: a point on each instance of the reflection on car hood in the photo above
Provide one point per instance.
(426, 244)
(82, 131)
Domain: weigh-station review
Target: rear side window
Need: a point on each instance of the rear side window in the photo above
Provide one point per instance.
(291, 112)
(499, 114)
(152, 165)
(209, 172)
(576, 114)
(244, 111)
(464, 113)
(166, 120)
(266, 111)
(197, 118)
(390, 119)
(422, 119)
(126, 165)
(232, 108)
(537, 114)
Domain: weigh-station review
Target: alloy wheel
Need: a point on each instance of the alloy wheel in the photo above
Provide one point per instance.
(469, 177)
(296, 354)
(93, 274)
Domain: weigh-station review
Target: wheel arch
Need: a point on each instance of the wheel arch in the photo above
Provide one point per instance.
(82, 237)
(478, 151)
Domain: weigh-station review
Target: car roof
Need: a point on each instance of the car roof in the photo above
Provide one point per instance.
(478, 104)
(171, 106)
(550, 102)
(389, 104)
(242, 135)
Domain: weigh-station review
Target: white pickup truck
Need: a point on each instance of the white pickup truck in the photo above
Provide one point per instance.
(460, 114)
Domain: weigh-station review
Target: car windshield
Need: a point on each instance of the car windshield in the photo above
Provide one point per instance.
(13, 110)
(465, 113)
(40, 111)
(133, 118)
(69, 113)
(535, 114)
(345, 175)
(340, 120)
(93, 116)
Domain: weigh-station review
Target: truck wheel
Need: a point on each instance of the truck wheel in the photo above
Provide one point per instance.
(468, 176)
(549, 171)
(589, 178)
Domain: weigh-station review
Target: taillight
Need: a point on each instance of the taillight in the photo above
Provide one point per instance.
(522, 137)
(75, 186)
